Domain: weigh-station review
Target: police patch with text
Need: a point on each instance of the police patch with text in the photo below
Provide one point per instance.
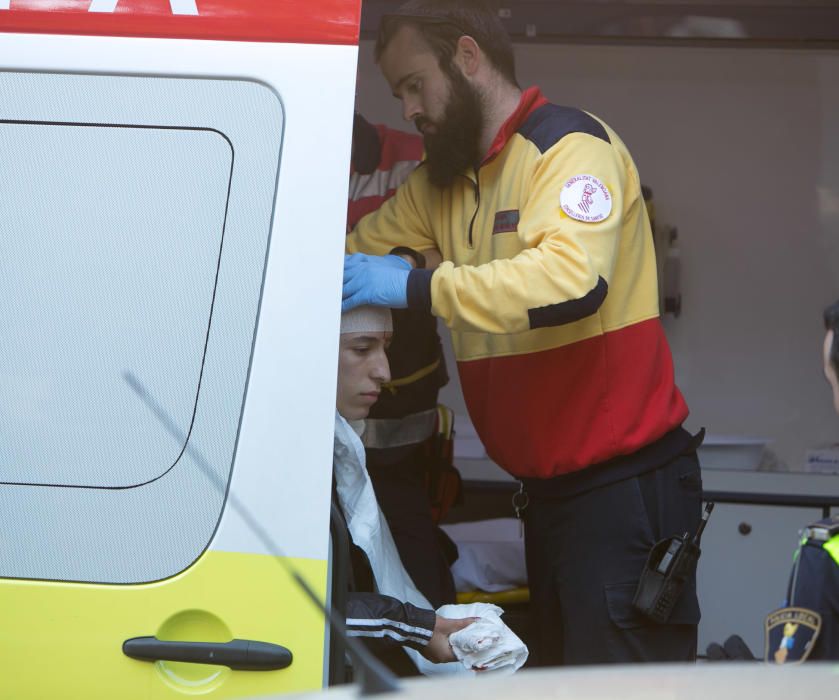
(791, 634)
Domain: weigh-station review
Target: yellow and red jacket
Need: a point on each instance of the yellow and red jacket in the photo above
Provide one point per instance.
(562, 358)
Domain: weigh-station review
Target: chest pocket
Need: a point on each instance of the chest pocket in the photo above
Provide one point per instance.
(505, 241)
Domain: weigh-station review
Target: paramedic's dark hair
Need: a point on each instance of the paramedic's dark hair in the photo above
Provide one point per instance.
(442, 22)
(831, 323)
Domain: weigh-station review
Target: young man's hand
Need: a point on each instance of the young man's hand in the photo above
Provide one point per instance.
(438, 649)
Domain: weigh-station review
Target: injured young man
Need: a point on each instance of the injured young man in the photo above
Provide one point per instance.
(384, 606)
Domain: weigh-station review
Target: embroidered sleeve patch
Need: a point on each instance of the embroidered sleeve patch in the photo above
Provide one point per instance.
(585, 198)
(790, 635)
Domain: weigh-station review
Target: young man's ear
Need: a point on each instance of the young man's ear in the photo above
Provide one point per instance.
(468, 55)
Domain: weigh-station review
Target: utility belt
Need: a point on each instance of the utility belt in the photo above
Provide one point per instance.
(650, 457)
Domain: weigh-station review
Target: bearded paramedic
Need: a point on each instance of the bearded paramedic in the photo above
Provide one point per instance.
(549, 287)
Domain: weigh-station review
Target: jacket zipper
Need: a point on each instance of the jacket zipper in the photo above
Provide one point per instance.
(477, 185)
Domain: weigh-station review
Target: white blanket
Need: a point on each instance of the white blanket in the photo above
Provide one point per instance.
(490, 555)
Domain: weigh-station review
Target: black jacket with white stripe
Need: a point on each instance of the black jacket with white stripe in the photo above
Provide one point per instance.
(380, 619)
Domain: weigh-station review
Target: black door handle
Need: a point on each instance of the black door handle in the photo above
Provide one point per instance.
(237, 654)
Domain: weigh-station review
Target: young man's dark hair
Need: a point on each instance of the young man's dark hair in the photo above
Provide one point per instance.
(831, 323)
(442, 22)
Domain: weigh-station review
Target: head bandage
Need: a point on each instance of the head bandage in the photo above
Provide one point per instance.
(370, 319)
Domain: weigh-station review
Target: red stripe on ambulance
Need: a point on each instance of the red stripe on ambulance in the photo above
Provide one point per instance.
(289, 21)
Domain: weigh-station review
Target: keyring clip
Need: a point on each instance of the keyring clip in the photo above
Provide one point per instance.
(520, 501)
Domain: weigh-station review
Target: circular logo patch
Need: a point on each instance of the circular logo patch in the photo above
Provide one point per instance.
(585, 198)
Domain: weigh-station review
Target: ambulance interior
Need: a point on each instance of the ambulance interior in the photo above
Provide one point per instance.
(732, 114)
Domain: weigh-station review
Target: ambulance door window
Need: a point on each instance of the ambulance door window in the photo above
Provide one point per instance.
(135, 215)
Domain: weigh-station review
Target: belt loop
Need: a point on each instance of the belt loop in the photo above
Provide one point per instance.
(695, 441)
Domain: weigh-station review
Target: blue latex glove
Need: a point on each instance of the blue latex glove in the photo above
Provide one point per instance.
(376, 280)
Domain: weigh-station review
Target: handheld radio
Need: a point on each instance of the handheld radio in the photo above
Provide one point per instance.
(668, 567)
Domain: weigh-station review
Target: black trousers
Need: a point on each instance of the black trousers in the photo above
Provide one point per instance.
(585, 556)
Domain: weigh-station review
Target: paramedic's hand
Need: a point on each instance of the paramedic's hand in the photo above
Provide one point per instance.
(376, 280)
(438, 649)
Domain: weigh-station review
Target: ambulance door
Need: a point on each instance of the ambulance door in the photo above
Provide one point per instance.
(172, 209)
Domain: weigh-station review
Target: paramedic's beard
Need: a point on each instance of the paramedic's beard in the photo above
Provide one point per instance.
(452, 146)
